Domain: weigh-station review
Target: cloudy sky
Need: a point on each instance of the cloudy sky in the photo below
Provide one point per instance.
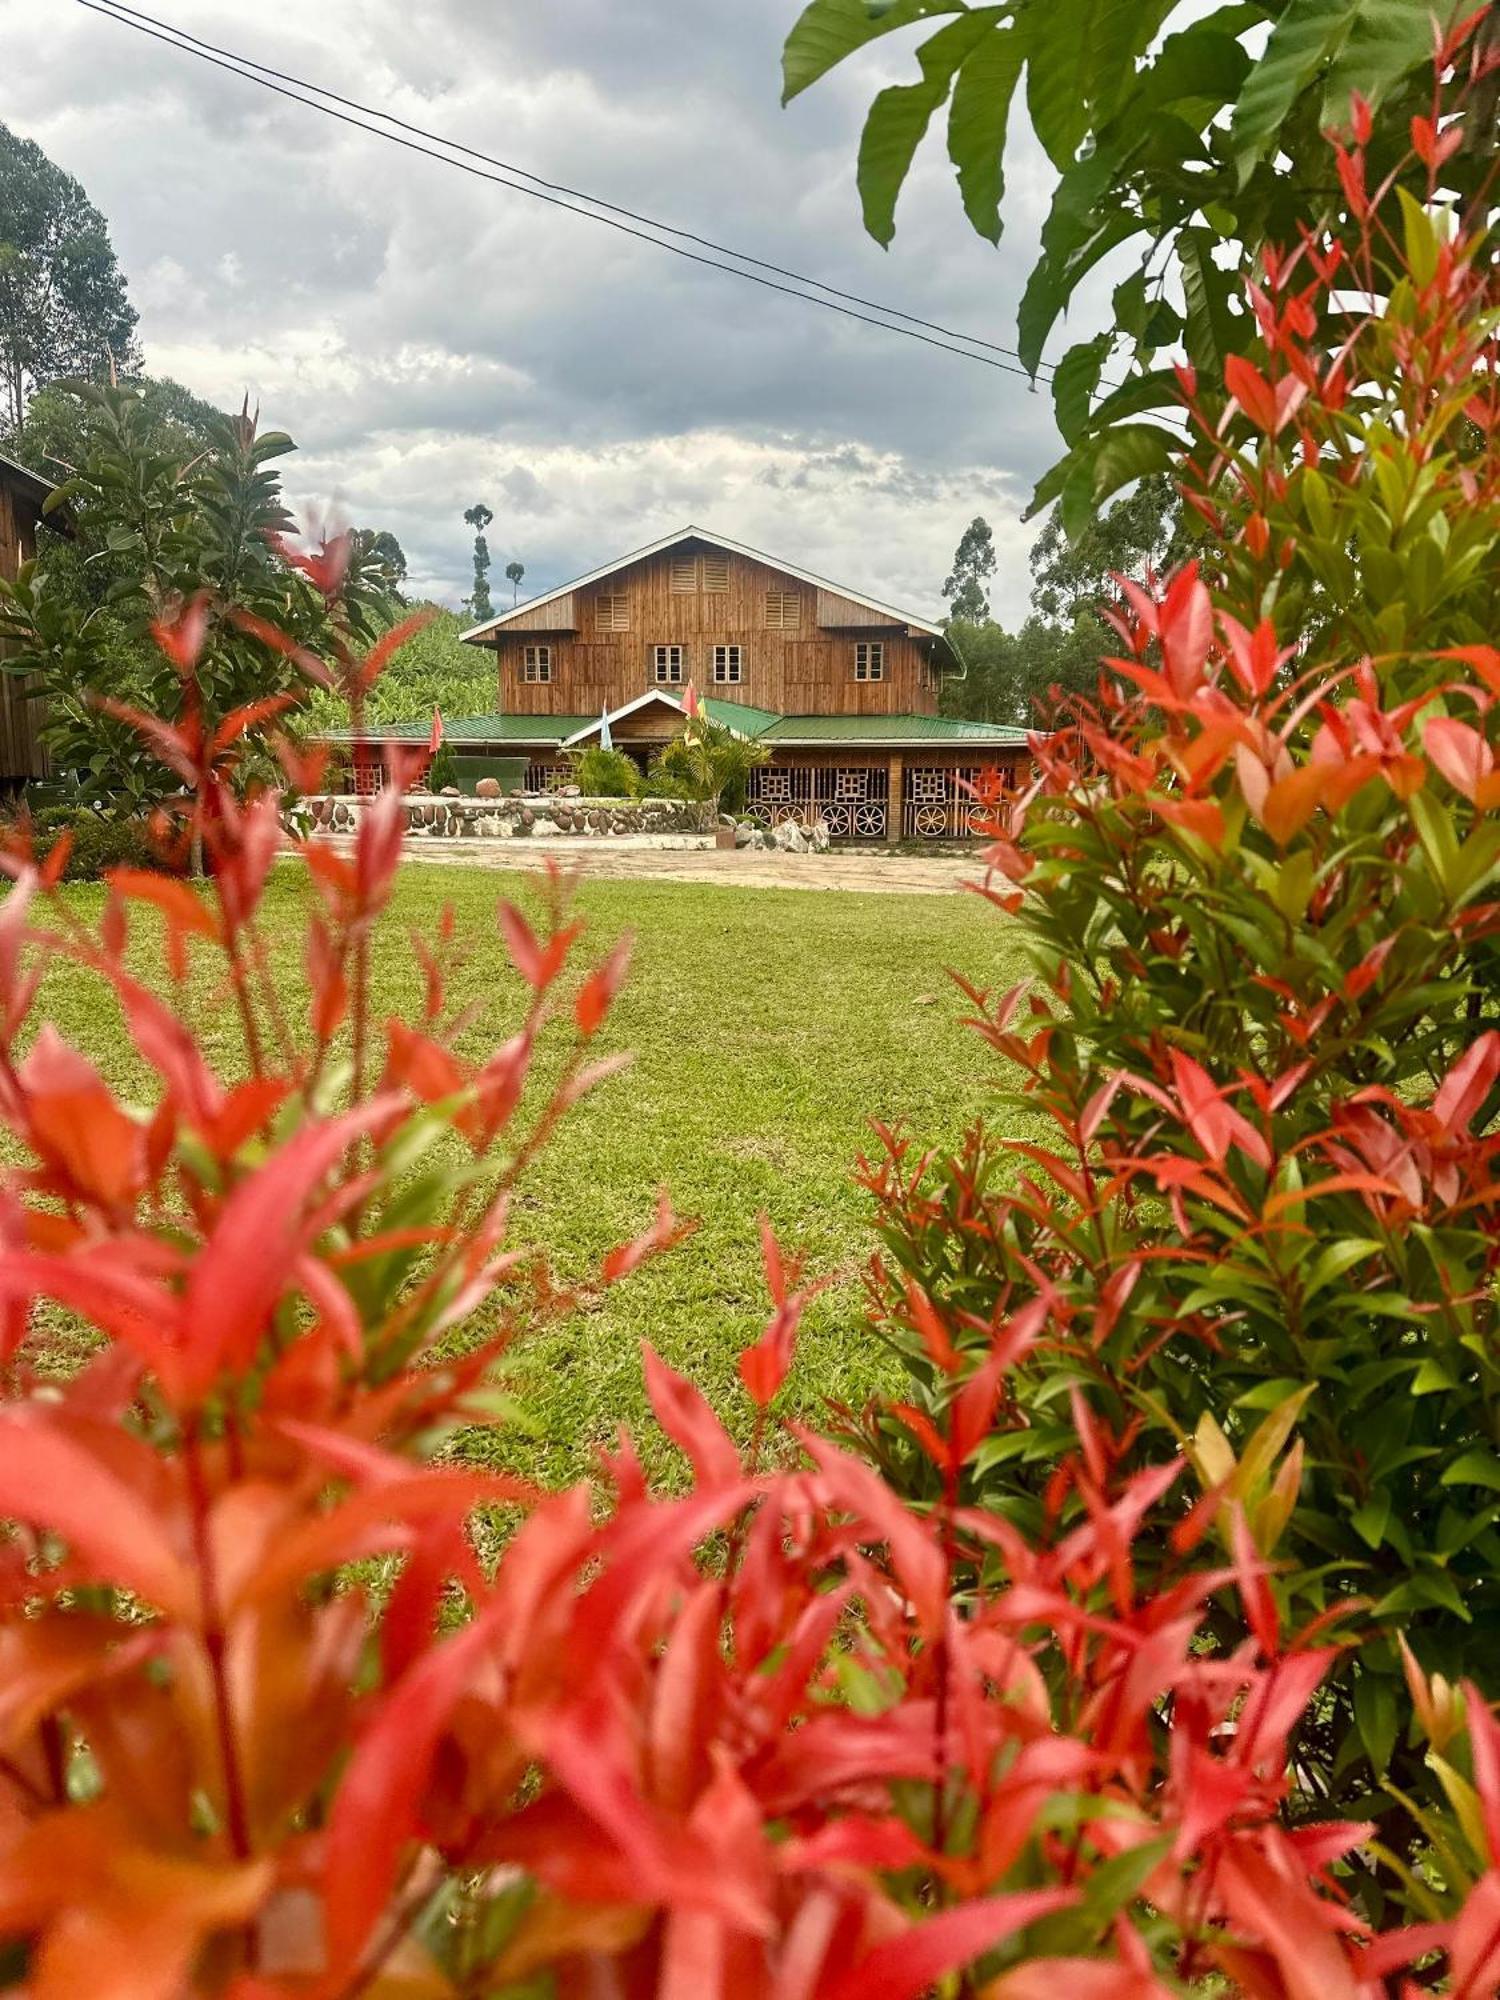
(430, 339)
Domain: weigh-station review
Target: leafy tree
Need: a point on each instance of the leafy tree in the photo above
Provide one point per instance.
(165, 518)
(63, 309)
(973, 566)
(479, 517)
(709, 761)
(1010, 676)
(380, 559)
(1178, 143)
(57, 429)
(514, 571)
(432, 670)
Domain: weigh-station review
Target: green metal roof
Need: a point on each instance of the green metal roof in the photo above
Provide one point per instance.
(896, 730)
(776, 731)
(740, 715)
(469, 729)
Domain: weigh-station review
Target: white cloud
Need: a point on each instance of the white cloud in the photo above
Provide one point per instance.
(431, 339)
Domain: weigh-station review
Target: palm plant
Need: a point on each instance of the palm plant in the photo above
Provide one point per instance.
(710, 761)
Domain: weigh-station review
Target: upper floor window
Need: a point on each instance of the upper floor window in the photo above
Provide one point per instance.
(729, 664)
(668, 664)
(869, 660)
(783, 610)
(694, 573)
(536, 663)
(612, 611)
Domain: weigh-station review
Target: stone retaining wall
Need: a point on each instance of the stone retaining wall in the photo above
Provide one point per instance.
(446, 817)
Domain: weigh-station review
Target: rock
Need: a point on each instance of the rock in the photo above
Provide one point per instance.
(543, 827)
(487, 826)
(487, 788)
(744, 836)
(726, 819)
(790, 838)
(450, 792)
(817, 837)
(925, 1000)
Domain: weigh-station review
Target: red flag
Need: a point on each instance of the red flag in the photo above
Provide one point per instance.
(435, 740)
(690, 701)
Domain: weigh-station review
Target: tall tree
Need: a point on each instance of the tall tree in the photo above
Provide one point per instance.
(1010, 675)
(63, 309)
(1183, 144)
(479, 517)
(973, 566)
(380, 559)
(514, 571)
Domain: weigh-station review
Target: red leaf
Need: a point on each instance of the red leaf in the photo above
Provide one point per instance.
(52, 1483)
(689, 1422)
(245, 1265)
(907, 1966)
(597, 994)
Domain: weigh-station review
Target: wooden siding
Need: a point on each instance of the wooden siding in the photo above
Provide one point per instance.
(834, 611)
(808, 670)
(21, 754)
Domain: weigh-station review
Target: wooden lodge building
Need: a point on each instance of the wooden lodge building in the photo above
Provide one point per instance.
(21, 496)
(841, 689)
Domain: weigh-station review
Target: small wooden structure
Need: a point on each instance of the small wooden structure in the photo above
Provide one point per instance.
(22, 494)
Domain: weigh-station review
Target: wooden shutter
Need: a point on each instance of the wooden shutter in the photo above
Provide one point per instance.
(783, 610)
(612, 612)
(716, 574)
(684, 574)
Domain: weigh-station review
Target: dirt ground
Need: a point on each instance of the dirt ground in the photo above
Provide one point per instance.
(743, 868)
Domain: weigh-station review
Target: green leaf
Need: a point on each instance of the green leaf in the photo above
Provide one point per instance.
(1082, 56)
(1375, 1717)
(1421, 238)
(977, 122)
(1074, 384)
(1478, 1467)
(1387, 40)
(1204, 64)
(1207, 290)
(1121, 456)
(828, 30)
(1306, 36)
(899, 118)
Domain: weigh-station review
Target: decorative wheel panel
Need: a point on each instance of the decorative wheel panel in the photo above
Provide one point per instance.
(869, 822)
(836, 819)
(931, 821)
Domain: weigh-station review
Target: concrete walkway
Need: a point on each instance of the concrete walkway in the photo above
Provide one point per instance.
(628, 858)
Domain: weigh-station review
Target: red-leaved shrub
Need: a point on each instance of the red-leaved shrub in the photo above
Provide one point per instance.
(297, 1704)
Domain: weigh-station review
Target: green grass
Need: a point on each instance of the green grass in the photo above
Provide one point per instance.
(768, 1027)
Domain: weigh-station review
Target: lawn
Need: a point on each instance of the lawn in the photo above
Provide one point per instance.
(768, 1026)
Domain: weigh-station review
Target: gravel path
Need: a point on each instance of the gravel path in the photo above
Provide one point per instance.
(626, 858)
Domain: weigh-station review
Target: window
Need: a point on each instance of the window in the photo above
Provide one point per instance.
(612, 612)
(684, 574)
(729, 664)
(536, 663)
(667, 664)
(869, 660)
(783, 610)
(716, 574)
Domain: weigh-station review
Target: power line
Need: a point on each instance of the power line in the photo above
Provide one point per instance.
(183, 35)
(278, 81)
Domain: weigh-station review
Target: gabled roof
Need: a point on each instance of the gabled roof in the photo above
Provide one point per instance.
(518, 615)
(737, 716)
(31, 483)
